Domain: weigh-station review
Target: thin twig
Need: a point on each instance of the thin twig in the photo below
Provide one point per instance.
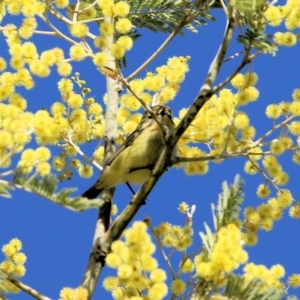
(261, 139)
(44, 32)
(7, 173)
(160, 48)
(144, 104)
(224, 7)
(65, 20)
(27, 289)
(96, 258)
(76, 11)
(233, 56)
(91, 20)
(57, 32)
(207, 89)
(88, 7)
(265, 176)
(163, 253)
(247, 59)
(78, 150)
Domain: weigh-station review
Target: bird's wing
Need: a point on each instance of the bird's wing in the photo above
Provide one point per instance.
(128, 142)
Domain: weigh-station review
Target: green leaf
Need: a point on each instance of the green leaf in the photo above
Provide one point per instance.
(238, 288)
(45, 186)
(4, 190)
(229, 203)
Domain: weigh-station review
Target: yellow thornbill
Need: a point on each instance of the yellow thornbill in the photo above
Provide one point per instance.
(136, 157)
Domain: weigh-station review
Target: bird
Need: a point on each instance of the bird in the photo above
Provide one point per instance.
(134, 160)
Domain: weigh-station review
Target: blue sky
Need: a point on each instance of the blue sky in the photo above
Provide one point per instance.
(57, 241)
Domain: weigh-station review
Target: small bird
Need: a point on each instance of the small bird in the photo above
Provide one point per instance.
(134, 161)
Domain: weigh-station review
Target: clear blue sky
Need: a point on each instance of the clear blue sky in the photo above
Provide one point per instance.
(58, 241)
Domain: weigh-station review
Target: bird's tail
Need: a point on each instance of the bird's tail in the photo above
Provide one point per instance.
(92, 192)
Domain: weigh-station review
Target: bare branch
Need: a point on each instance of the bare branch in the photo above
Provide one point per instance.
(27, 289)
(180, 159)
(44, 32)
(65, 20)
(163, 253)
(185, 20)
(96, 259)
(88, 7)
(76, 11)
(7, 173)
(247, 59)
(206, 90)
(144, 104)
(78, 150)
(261, 139)
(138, 200)
(264, 175)
(57, 32)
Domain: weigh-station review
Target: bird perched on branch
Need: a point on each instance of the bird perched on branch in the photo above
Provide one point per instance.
(136, 157)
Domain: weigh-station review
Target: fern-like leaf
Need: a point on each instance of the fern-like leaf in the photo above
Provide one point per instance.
(45, 186)
(238, 288)
(164, 16)
(229, 203)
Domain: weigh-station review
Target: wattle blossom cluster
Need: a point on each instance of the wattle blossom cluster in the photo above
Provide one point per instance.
(137, 270)
(220, 125)
(115, 24)
(289, 14)
(156, 88)
(226, 255)
(12, 266)
(68, 293)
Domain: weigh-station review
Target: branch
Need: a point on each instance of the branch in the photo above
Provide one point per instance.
(90, 6)
(181, 159)
(138, 200)
(27, 289)
(7, 173)
(264, 175)
(261, 139)
(163, 253)
(247, 59)
(44, 32)
(65, 20)
(76, 11)
(185, 20)
(96, 259)
(144, 104)
(206, 90)
(78, 150)
(103, 243)
(91, 20)
(57, 32)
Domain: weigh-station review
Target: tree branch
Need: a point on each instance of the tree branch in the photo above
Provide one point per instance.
(206, 90)
(138, 200)
(181, 159)
(261, 139)
(27, 289)
(97, 257)
(163, 253)
(96, 260)
(144, 104)
(167, 41)
(65, 20)
(78, 150)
